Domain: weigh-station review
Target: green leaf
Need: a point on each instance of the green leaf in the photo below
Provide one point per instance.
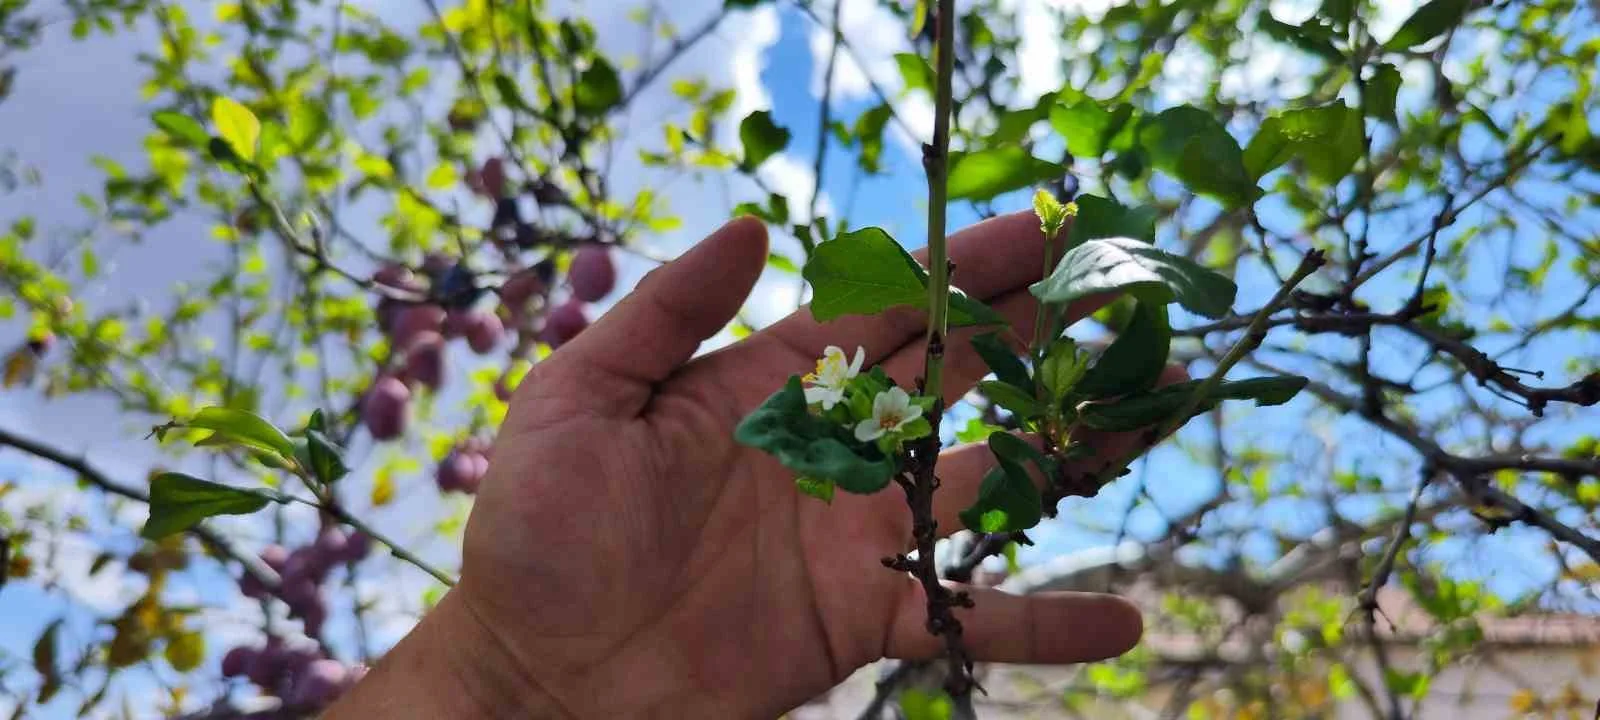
(1007, 500)
(762, 138)
(237, 126)
(1051, 212)
(182, 128)
(1007, 367)
(510, 93)
(811, 446)
(984, 174)
(44, 661)
(1382, 88)
(812, 487)
(1135, 359)
(1327, 139)
(977, 430)
(1008, 447)
(243, 428)
(1087, 126)
(917, 704)
(865, 272)
(1010, 397)
(915, 72)
(325, 456)
(869, 133)
(1312, 36)
(1123, 264)
(1190, 145)
(1428, 22)
(1148, 408)
(178, 501)
(1063, 367)
(599, 88)
(1099, 217)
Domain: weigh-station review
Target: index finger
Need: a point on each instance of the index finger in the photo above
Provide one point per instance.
(992, 258)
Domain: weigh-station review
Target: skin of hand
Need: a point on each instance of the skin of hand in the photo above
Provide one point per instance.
(626, 558)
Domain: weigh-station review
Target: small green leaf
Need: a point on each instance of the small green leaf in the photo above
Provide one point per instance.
(915, 72)
(984, 174)
(178, 501)
(812, 487)
(762, 138)
(182, 128)
(1005, 364)
(510, 93)
(1312, 36)
(1428, 22)
(1051, 212)
(1063, 367)
(869, 133)
(1010, 397)
(237, 126)
(599, 88)
(44, 661)
(1006, 446)
(1123, 264)
(1148, 408)
(1327, 139)
(864, 272)
(1099, 217)
(325, 456)
(1382, 88)
(1007, 500)
(977, 430)
(917, 704)
(1135, 359)
(243, 428)
(812, 446)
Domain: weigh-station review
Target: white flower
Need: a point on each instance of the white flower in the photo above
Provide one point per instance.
(891, 411)
(827, 383)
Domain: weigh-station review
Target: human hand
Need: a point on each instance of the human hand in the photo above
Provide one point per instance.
(626, 558)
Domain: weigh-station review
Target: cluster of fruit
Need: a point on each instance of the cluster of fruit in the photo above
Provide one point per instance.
(303, 571)
(302, 677)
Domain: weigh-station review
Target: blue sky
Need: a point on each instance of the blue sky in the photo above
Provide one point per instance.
(99, 113)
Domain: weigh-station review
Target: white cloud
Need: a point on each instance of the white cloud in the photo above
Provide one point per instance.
(874, 34)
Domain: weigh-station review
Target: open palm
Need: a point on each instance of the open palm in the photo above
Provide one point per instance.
(635, 561)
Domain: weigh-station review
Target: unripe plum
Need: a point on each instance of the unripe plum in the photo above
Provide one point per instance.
(483, 330)
(563, 323)
(238, 661)
(387, 408)
(411, 320)
(425, 359)
(318, 684)
(592, 273)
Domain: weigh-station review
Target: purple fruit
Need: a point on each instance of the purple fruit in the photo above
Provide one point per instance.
(563, 323)
(521, 287)
(386, 409)
(318, 684)
(437, 263)
(312, 615)
(592, 273)
(299, 592)
(425, 359)
(462, 470)
(238, 661)
(273, 556)
(332, 543)
(356, 547)
(413, 320)
(492, 178)
(399, 277)
(270, 663)
(480, 468)
(483, 330)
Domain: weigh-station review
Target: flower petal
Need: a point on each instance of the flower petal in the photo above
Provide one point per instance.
(868, 430)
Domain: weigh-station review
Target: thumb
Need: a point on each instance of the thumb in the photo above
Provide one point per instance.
(659, 325)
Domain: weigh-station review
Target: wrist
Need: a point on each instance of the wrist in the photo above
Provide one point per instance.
(450, 665)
